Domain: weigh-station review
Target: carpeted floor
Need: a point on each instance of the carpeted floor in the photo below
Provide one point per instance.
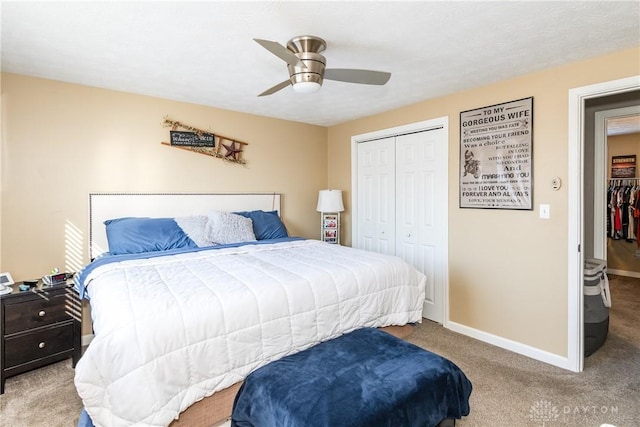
(509, 390)
(512, 390)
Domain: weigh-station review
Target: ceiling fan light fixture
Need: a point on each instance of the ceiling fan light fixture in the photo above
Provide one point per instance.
(307, 87)
(307, 66)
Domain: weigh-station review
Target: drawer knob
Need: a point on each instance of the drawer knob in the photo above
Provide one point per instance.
(42, 313)
(41, 345)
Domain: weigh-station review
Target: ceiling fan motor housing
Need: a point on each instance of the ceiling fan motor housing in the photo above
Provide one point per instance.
(313, 73)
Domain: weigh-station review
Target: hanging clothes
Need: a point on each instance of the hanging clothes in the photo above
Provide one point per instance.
(623, 218)
(633, 197)
(636, 213)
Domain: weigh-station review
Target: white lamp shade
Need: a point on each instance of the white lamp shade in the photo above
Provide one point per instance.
(330, 201)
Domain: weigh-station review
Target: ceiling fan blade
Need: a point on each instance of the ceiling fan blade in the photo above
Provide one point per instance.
(276, 88)
(281, 52)
(367, 77)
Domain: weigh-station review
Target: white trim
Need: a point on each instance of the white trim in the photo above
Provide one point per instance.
(514, 346)
(445, 241)
(440, 122)
(86, 339)
(623, 273)
(600, 176)
(599, 192)
(575, 232)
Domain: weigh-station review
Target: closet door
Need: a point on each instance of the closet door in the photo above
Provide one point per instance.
(401, 202)
(419, 211)
(376, 196)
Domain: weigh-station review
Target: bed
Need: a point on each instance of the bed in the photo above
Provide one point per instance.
(180, 322)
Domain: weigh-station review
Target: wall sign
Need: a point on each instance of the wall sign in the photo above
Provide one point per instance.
(205, 142)
(496, 156)
(192, 139)
(623, 166)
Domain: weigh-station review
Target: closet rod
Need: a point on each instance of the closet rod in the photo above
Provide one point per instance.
(624, 181)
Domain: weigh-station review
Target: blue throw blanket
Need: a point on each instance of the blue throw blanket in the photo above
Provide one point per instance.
(365, 378)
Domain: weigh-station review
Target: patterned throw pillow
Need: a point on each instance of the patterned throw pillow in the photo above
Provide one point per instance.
(225, 227)
(194, 226)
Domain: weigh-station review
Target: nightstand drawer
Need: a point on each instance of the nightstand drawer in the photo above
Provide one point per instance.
(38, 344)
(39, 327)
(38, 312)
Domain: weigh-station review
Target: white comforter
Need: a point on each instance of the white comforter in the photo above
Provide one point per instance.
(172, 330)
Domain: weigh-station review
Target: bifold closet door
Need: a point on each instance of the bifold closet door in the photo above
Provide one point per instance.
(419, 210)
(401, 200)
(376, 196)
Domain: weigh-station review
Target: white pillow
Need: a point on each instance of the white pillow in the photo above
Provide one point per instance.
(225, 227)
(194, 227)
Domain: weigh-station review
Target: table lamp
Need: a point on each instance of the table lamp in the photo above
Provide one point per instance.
(330, 205)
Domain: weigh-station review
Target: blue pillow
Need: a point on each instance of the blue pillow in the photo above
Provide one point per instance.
(135, 235)
(266, 225)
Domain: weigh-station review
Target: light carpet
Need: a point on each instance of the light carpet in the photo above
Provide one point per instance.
(509, 390)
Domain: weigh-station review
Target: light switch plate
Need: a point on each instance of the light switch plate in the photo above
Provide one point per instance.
(545, 211)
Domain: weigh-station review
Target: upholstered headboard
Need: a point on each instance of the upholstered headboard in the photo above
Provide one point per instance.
(104, 206)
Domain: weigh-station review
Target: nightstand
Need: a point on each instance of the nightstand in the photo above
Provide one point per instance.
(40, 326)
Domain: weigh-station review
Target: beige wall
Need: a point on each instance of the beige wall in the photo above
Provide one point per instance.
(1, 166)
(622, 145)
(61, 141)
(621, 255)
(507, 269)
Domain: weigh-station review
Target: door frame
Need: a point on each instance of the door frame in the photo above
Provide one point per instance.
(576, 119)
(600, 175)
(440, 122)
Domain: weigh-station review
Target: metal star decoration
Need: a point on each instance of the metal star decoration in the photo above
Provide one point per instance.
(232, 150)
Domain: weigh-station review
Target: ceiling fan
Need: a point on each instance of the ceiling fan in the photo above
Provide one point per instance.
(307, 67)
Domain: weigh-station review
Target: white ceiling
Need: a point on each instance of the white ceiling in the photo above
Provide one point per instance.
(204, 53)
(623, 125)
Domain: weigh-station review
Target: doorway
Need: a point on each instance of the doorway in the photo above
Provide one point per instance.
(626, 121)
(617, 135)
(581, 201)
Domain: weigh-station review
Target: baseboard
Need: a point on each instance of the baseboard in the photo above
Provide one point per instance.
(623, 273)
(86, 339)
(514, 346)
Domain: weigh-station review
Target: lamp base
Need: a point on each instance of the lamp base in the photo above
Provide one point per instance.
(330, 227)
